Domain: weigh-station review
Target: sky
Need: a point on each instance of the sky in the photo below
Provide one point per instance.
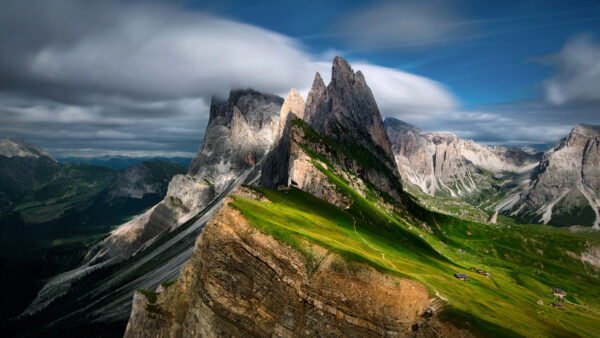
(136, 78)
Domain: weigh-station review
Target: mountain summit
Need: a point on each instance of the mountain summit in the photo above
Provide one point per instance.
(346, 110)
(566, 184)
(342, 124)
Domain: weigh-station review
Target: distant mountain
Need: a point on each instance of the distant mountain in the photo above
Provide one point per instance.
(51, 212)
(122, 162)
(561, 188)
(565, 187)
(18, 147)
(442, 164)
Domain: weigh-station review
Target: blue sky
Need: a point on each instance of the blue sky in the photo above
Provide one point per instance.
(494, 59)
(136, 77)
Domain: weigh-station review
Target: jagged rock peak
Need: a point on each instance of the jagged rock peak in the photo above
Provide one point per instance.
(579, 136)
(294, 103)
(346, 110)
(317, 94)
(14, 146)
(341, 70)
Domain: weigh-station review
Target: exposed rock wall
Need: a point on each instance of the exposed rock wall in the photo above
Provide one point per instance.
(240, 132)
(565, 189)
(242, 282)
(440, 163)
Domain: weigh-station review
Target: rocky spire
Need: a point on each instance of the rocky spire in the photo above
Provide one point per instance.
(317, 94)
(294, 103)
(346, 110)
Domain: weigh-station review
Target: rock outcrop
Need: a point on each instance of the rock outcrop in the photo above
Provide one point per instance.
(442, 164)
(242, 282)
(240, 131)
(293, 104)
(346, 111)
(565, 187)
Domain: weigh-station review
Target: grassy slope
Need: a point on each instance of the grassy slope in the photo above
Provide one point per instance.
(526, 262)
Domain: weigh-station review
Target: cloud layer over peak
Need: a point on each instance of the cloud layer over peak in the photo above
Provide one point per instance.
(138, 77)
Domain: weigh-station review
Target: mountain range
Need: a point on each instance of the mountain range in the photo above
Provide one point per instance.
(558, 187)
(308, 218)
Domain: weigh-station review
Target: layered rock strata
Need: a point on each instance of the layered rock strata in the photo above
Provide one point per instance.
(242, 282)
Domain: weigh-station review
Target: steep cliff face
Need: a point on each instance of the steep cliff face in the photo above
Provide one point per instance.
(240, 131)
(238, 135)
(242, 282)
(565, 188)
(293, 107)
(442, 164)
(346, 111)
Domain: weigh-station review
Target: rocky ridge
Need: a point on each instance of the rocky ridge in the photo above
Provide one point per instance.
(442, 164)
(565, 187)
(242, 282)
(346, 111)
(341, 124)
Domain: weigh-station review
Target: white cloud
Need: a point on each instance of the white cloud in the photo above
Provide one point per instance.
(167, 52)
(110, 70)
(578, 72)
